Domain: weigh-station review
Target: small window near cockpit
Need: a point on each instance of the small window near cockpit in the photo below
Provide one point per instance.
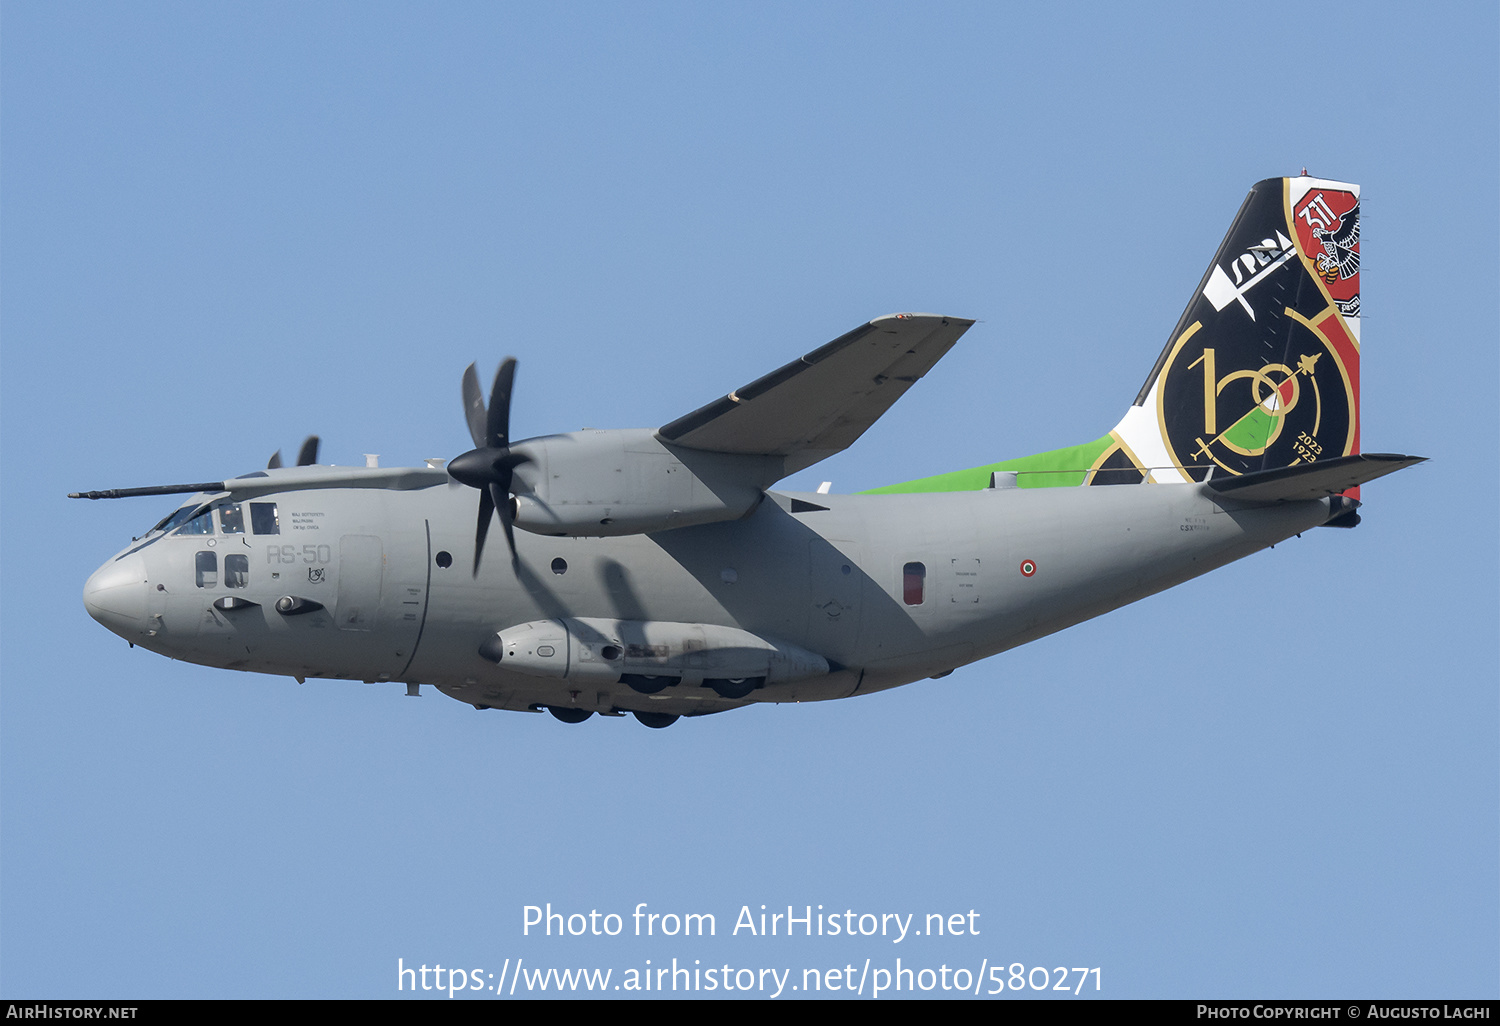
(236, 571)
(913, 583)
(263, 519)
(206, 566)
(231, 518)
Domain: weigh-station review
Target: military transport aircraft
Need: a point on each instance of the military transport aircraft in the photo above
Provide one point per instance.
(655, 572)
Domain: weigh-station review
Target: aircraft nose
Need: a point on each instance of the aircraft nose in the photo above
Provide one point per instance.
(116, 595)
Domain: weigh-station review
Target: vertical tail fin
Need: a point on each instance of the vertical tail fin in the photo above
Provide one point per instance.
(1262, 370)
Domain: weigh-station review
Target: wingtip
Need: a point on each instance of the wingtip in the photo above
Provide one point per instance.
(966, 321)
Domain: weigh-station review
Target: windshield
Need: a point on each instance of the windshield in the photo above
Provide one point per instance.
(177, 518)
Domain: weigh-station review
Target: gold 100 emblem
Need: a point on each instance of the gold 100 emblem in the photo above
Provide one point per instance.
(1246, 412)
(1273, 399)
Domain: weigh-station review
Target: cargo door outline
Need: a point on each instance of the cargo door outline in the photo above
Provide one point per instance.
(361, 576)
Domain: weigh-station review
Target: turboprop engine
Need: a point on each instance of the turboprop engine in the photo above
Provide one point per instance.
(603, 483)
(595, 483)
(650, 655)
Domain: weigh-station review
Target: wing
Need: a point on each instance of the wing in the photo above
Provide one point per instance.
(818, 405)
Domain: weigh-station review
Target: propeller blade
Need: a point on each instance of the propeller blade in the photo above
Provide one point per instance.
(274, 463)
(497, 425)
(474, 407)
(482, 528)
(495, 485)
(507, 517)
(490, 465)
(308, 454)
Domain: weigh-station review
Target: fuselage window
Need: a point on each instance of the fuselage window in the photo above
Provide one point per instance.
(236, 570)
(203, 523)
(206, 564)
(231, 518)
(913, 582)
(559, 566)
(263, 519)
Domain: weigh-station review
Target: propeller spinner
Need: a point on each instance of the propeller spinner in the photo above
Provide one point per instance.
(490, 464)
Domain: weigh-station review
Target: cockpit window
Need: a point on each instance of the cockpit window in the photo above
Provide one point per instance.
(231, 518)
(177, 518)
(263, 518)
(203, 523)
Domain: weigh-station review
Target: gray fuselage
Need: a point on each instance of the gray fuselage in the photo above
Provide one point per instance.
(888, 589)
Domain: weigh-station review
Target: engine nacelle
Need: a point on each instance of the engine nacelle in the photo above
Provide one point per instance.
(605, 483)
(602, 651)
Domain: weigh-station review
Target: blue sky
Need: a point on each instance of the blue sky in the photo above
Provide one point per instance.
(223, 227)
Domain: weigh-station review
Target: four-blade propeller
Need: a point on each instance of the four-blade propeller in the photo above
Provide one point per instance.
(489, 466)
(306, 456)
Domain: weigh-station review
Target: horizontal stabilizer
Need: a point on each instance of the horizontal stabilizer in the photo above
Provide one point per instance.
(1306, 481)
